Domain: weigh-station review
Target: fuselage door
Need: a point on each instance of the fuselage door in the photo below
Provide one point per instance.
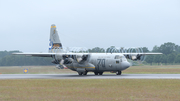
(118, 61)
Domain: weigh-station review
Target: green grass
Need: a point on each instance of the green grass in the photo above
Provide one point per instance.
(33, 70)
(90, 89)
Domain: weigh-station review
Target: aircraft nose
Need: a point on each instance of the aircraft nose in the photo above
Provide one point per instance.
(125, 65)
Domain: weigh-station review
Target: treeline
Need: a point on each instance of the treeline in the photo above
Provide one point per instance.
(7, 59)
(171, 54)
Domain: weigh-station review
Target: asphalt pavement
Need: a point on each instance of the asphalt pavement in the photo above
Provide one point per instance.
(89, 76)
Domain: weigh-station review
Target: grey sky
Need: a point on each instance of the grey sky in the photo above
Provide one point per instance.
(25, 24)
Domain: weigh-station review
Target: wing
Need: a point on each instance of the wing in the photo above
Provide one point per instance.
(36, 54)
(52, 54)
(48, 54)
(142, 53)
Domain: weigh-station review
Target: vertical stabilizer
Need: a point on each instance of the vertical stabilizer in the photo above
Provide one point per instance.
(55, 45)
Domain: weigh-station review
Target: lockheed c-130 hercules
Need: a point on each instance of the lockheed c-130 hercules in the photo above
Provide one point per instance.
(86, 62)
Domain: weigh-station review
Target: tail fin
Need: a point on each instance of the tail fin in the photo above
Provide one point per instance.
(54, 42)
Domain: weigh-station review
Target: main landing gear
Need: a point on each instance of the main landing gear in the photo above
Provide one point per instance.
(97, 73)
(83, 73)
(80, 73)
(118, 73)
(100, 73)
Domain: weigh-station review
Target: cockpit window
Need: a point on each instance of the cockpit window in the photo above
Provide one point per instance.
(117, 62)
(117, 57)
(123, 58)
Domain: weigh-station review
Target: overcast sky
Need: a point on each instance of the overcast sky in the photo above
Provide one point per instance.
(25, 24)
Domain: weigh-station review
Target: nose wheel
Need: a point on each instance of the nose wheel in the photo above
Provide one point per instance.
(118, 73)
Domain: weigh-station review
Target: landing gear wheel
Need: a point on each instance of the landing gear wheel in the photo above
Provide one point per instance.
(96, 73)
(118, 73)
(84, 73)
(100, 73)
(80, 73)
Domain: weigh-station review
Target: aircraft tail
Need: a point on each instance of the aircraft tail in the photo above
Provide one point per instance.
(55, 45)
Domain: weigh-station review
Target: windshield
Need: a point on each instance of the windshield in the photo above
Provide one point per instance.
(117, 57)
(124, 58)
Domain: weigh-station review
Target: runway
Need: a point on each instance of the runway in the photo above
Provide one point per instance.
(89, 76)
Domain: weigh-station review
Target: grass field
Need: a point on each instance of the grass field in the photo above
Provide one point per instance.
(90, 89)
(169, 69)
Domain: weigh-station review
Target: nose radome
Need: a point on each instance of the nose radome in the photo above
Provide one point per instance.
(125, 65)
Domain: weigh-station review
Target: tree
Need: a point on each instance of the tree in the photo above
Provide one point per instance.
(149, 59)
(177, 49)
(163, 58)
(177, 59)
(157, 59)
(168, 48)
(7, 59)
(145, 49)
(155, 49)
(171, 58)
(97, 50)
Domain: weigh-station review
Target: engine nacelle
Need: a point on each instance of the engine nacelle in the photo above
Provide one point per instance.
(134, 57)
(67, 61)
(58, 57)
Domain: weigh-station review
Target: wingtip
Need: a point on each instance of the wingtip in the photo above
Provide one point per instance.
(14, 53)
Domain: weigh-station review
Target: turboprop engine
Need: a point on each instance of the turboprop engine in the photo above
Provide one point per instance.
(135, 57)
(72, 58)
(68, 59)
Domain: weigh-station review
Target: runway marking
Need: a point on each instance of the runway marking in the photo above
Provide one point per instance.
(89, 76)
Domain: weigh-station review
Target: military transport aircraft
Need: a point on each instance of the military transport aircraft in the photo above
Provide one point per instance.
(86, 62)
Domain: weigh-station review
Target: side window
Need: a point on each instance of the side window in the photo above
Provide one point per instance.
(117, 62)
